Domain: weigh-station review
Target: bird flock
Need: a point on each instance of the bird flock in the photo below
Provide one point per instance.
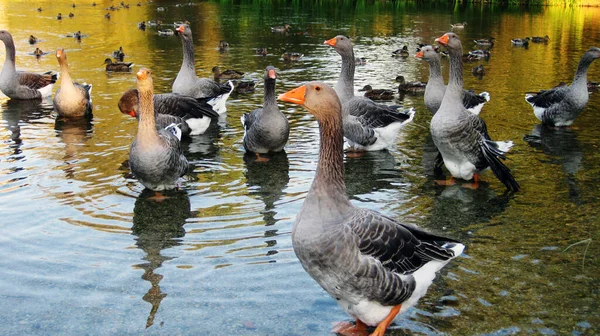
(374, 266)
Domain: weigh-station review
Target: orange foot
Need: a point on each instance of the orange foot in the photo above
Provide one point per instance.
(354, 154)
(449, 182)
(475, 183)
(350, 329)
(261, 158)
(383, 325)
(158, 197)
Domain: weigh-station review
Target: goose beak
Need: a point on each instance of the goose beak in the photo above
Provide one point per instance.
(131, 113)
(332, 42)
(180, 28)
(59, 52)
(272, 74)
(419, 54)
(442, 40)
(295, 96)
(142, 74)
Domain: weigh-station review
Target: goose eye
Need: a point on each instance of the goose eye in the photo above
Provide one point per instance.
(318, 88)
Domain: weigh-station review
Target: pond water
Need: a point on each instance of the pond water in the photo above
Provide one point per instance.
(85, 252)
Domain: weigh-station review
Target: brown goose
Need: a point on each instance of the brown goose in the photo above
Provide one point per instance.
(72, 100)
(20, 84)
(374, 266)
(155, 156)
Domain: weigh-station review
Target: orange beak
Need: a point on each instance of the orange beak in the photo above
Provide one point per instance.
(332, 42)
(295, 96)
(419, 54)
(272, 74)
(142, 74)
(131, 113)
(181, 28)
(442, 40)
(59, 52)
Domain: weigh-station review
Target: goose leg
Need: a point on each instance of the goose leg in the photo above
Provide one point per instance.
(158, 197)
(261, 158)
(449, 182)
(349, 329)
(475, 183)
(383, 325)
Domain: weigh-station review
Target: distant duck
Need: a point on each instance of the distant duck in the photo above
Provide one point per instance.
(73, 5)
(59, 16)
(223, 45)
(474, 55)
(478, 71)
(485, 42)
(244, 86)
(119, 54)
(291, 56)
(520, 41)
(107, 15)
(71, 15)
(153, 23)
(560, 106)
(39, 9)
(458, 25)
(403, 52)
(166, 32)
(77, 35)
(281, 29)
(38, 52)
(72, 100)
(117, 66)
(160, 9)
(539, 39)
(227, 74)
(93, 4)
(261, 51)
(33, 39)
(142, 25)
(410, 87)
(377, 94)
(360, 61)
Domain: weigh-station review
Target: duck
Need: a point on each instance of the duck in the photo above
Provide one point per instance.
(223, 45)
(72, 100)
(474, 55)
(155, 156)
(59, 16)
(261, 51)
(360, 61)
(458, 25)
(21, 84)
(539, 39)
(560, 106)
(193, 115)
(117, 66)
(39, 9)
(38, 52)
(478, 71)
(244, 86)
(227, 74)
(33, 39)
(485, 42)
(166, 32)
(291, 56)
(435, 89)
(377, 94)
(119, 54)
(142, 25)
(107, 15)
(188, 84)
(461, 136)
(520, 41)
(281, 29)
(403, 52)
(266, 129)
(368, 126)
(71, 15)
(405, 87)
(372, 265)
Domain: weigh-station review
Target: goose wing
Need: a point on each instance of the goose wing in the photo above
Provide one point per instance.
(36, 81)
(374, 115)
(547, 98)
(359, 132)
(183, 106)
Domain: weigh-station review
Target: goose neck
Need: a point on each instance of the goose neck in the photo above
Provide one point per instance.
(582, 69)
(455, 82)
(269, 95)
(435, 69)
(188, 54)
(345, 84)
(147, 121)
(9, 63)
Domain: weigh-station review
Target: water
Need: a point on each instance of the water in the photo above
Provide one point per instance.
(84, 251)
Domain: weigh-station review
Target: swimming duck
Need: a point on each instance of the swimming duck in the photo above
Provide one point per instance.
(20, 84)
(266, 129)
(38, 52)
(478, 71)
(39, 9)
(187, 83)
(227, 74)
(281, 29)
(520, 41)
(59, 16)
(166, 32)
(435, 89)
(485, 42)
(107, 15)
(403, 52)
(155, 156)
(377, 94)
(539, 39)
(244, 86)
(33, 39)
(223, 45)
(360, 61)
(117, 66)
(142, 25)
(367, 125)
(374, 266)
(71, 15)
(461, 136)
(410, 87)
(119, 54)
(458, 25)
(72, 100)
(291, 56)
(261, 51)
(560, 106)
(475, 55)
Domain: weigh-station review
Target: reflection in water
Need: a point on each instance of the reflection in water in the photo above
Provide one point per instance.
(203, 146)
(562, 146)
(74, 134)
(373, 171)
(267, 180)
(15, 111)
(158, 226)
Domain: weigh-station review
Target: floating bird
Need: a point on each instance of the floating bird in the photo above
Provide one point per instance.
(38, 52)
(461, 136)
(520, 41)
(458, 25)
(117, 66)
(59, 16)
(360, 61)
(478, 71)
(71, 15)
(485, 42)
(155, 156)
(119, 54)
(227, 74)
(33, 39)
(107, 15)
(291, 56)
(223, 45)
(539, 39)
(478, 54)
(261, 51)
(39, 9)
(244, 86)
(374, 266)
(403, 52)
(281, 29)
(72, 100)
(405, 87)
(166, 32)
(142, 25)
(20, 84)
(560, 106)
(377, 94)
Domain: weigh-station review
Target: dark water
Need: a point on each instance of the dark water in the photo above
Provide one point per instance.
(84, 251)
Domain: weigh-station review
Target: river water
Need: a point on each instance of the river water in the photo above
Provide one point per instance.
(85, 252)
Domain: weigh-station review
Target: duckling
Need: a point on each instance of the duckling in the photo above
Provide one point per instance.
(227, 74)
(261, 51)
(59, 16)
(485, 42)
(478, 71)
(166, 32)
(117, 66)
(520, 42)
(401, 52)
(405, 87)
(71, 15)
(119, 54)
(291, 56)
(223, 45)
(281, 29)
(539, 39)
(458, 25)
(377, 94)
(33, 39)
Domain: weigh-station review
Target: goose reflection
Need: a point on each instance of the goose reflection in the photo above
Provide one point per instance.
(203, 146)
(563, 148)
(267, 180)
(158, 226)
(74, 134)
(15, 112)
(370, 172)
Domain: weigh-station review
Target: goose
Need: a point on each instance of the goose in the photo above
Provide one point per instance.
(520, 42)
(195, 114)
(435, 89)
(374, 266)
(539, 39)
(377, 94)
(291, 56)
(560, 106)
(155, 156)
(33, 39)
(281, 29)
(405, 87)
(20, 84)
(227, 74)
(266, 129)
(403, 52)
(72, 100)
(223, 45)
(485, 42)
(458, 25)
(188, 84)
(119, 54)
(117, 66)
(367, 125)
(461, 136)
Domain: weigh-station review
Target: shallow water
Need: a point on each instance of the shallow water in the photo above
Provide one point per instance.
(84, 250)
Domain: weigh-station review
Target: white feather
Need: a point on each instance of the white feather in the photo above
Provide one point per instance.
(46, 91)
(198, 125)
(218, 103)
